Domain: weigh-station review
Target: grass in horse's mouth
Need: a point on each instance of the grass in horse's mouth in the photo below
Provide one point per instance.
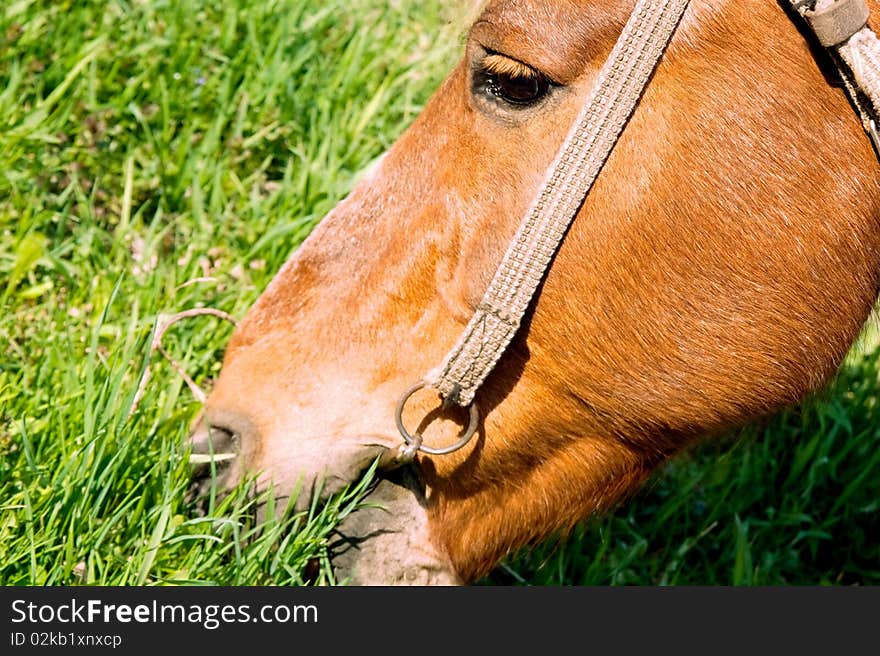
(267, 526)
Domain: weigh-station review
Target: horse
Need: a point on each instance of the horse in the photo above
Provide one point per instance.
(718, 271)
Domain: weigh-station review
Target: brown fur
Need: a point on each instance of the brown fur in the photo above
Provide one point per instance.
(718, 271)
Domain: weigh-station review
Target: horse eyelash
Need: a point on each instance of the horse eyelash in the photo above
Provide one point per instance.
(501, 65)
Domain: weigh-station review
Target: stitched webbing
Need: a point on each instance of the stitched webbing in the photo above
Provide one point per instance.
(582, 155)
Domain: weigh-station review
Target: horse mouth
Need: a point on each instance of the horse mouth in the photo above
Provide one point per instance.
(385, 541)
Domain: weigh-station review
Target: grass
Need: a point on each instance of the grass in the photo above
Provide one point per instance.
(145, 145)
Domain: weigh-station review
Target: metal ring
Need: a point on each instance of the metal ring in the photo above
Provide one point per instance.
(473, 422)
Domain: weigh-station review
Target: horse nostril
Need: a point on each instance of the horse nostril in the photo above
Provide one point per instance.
(212, 450)
(214, 439)
(212, 443)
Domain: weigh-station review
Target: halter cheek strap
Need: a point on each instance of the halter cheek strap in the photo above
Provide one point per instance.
(615, 95)
(612, 101)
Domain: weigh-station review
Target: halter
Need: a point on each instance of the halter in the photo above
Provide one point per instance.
(838, 25)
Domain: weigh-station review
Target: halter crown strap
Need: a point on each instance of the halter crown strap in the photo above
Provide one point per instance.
(583, 153)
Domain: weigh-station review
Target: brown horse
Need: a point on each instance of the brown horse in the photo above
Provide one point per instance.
(718, 271)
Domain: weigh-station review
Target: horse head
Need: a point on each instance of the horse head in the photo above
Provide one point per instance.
(719, 269)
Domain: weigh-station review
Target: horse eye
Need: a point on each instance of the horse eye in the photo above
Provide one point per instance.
(511, 81)
(517, 90)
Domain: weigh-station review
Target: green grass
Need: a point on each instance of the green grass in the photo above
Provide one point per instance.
(144, 144)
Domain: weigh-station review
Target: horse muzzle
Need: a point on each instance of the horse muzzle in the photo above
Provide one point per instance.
(385, 542)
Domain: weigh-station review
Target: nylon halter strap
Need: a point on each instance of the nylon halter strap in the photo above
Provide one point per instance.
(615, 95)
(588, 144)
(839, 25)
